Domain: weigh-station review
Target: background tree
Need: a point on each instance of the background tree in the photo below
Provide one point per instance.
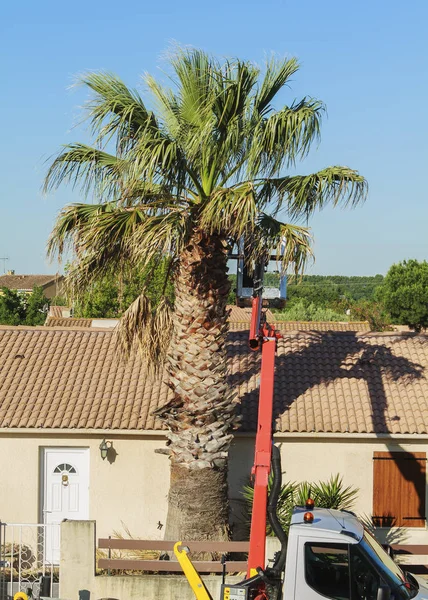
(196, 168)
(111, 295)
(23, 309)
(12, 309)
(36, 307)
(405, 293)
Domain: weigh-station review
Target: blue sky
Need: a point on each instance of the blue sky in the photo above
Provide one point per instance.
(366, 60)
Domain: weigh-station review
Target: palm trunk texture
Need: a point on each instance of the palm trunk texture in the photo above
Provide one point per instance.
(202, 413)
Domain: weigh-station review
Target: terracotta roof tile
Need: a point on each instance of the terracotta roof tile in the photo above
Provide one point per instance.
(67, 322)
(325, 382)
(243, 315)
(27, 282)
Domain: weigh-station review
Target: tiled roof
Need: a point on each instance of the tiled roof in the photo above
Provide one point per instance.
(26, 282)
(243, 315)
(340, 382)
(309, 326)
(72, 379)
(239, 317)
(67, 322)
(361, 326)
(55, 311)
(325, 382)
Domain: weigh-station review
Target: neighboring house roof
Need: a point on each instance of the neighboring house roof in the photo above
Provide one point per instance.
(27, 282)
(67, 322)
(325, 382)
(59, 311)
(55, 311)
(295, 326)
(243, 315)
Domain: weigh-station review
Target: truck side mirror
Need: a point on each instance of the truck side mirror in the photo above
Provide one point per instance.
(384, 593)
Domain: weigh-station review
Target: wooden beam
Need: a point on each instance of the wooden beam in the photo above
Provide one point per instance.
(168, 546)
(169, 565)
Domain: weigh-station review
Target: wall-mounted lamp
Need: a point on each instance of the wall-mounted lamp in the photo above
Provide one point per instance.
(104, 448)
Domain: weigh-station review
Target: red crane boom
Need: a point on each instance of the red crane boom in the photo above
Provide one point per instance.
(263, 336)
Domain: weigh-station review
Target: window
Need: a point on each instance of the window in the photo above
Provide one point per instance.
(64, 467)
(353, 571)
(327, 569)
(399, 482)
(365, 579)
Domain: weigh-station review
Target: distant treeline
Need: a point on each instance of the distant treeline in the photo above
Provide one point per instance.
(325, 289)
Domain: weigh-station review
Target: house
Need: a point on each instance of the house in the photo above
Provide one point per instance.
(345, 402)
(51, 284)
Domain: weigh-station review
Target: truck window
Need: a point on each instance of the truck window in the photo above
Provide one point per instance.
(327, 569)
(365, 579)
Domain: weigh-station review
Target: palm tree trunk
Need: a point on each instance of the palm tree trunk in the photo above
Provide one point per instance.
(202, 412)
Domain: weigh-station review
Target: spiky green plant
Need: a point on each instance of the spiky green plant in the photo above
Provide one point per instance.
(326, 494)
(196, 168)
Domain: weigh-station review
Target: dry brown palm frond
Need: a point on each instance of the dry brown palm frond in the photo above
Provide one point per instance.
(161, 333)
(134, 327)
(147, 330)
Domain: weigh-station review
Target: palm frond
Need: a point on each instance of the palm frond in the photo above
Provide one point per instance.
(234, 83)
(72, 219)
(116, 110)
(146, 330)
(333, 494)
(134, 328)
(194, 70)
(88, 167)
(233, 210)
(326, 494)
(104, 236)
(290, 242)
(284, 136)
(277, 73)
(303, 194)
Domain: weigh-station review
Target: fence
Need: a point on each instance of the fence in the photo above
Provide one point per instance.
(221, 549)
(25, 560)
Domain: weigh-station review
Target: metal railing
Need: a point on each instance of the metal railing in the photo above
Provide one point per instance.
(25, 560)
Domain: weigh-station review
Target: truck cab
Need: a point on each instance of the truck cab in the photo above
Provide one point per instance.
(331, 555)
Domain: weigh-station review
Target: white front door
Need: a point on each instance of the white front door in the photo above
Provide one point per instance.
(65, 493)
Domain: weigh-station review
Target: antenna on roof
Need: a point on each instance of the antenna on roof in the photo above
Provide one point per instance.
(4, 259)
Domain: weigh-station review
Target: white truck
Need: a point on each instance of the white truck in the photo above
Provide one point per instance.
(331, 555)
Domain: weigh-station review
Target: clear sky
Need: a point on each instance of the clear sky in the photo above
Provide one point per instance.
(366, 59)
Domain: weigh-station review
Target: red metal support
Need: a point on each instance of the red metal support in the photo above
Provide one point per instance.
(263, 450)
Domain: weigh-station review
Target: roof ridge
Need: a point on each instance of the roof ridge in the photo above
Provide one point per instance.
(57, 328)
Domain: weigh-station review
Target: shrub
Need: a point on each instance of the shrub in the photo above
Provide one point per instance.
(326, 494)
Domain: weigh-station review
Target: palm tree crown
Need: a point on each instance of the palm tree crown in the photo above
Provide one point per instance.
(207, 155)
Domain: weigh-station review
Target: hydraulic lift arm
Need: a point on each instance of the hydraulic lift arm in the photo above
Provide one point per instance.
(265, 337)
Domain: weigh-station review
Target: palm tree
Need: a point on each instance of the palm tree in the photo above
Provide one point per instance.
(186, 177)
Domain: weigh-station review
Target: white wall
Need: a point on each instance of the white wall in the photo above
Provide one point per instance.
(133, 490)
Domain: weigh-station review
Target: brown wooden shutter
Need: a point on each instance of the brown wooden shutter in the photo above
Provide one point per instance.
(399, 482)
